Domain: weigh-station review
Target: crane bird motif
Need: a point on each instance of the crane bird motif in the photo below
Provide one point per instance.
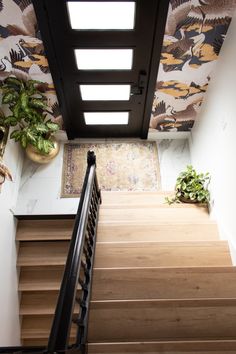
(195, 31)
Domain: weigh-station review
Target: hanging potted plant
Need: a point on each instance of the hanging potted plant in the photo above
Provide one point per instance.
(29, 114)
(191, 187)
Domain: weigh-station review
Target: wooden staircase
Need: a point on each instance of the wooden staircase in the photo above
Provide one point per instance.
(163, 281)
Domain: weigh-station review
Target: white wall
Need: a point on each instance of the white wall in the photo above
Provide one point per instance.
(213, 138)
(40, 189)
(9, 309)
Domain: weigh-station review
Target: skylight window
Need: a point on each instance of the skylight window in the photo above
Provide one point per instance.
(104, 59)
(106, 118)
(101, 15)
(105, 92)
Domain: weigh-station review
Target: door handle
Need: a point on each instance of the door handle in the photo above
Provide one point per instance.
(137, 89)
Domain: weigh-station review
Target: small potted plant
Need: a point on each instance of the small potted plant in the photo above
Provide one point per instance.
(29, 114)
(191, 187)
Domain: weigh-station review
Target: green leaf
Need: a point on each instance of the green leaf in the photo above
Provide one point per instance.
(37, 103)
(52, 126)
(23, 140)
(16, 134)
(24, 100)
(12, 80)
(31, 136)
(47, 146)
(8, 97)
(16, 110)
(41, 128)
(11, 121)
(40, 143)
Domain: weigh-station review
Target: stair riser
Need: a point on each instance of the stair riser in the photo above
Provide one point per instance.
(163, 283)
(162, 254)
(154, 216)
(153, 322)
(209, 347)
(154, 233)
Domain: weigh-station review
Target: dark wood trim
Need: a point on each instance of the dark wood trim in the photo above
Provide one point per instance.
(66, 82)
(42, 17)
(161, 16)
(45, 217)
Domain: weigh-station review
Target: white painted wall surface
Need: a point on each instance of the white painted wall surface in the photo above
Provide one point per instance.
(9, 309)
(213, 138)
(40, 189)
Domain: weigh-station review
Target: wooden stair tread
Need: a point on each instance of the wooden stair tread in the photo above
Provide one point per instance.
(38, 342)
(154, 215)
(162, 254)
(118, 199)
(159, 232)
(40, 253)
(60, 229)
(161, 303)
(40, 278)
(39, 303)
(131, 254)
(34, 327)
(163, 283)
(38, 230)
(141, 200)
(166, 347)
(157, 320)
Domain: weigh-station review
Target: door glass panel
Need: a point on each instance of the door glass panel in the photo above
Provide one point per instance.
(104, 59)
(106, 118)
(105, 92)
(101, 15)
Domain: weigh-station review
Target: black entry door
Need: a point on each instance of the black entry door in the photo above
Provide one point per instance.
(110, 95)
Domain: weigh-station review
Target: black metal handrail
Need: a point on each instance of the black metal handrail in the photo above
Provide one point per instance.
(78, 269)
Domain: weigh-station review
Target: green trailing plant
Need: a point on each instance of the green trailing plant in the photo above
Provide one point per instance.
(191, 187)
(29, 113)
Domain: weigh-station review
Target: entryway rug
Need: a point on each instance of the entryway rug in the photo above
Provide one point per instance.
(121, 166)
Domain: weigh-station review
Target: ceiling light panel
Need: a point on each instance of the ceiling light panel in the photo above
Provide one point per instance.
(106, 118)
(104, 59)
(105, 92)
(101, 15)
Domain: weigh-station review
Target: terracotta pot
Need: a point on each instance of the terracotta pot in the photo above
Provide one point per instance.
(34, 155)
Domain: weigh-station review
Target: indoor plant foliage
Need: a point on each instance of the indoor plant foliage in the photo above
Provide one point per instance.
(191, 187)
(29, 114)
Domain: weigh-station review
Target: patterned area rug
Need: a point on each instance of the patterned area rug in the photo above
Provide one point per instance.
(131, 166)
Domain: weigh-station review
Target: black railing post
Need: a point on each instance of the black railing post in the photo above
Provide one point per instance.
(80, 260)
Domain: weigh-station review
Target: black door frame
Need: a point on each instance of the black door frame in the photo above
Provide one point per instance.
(124, 38)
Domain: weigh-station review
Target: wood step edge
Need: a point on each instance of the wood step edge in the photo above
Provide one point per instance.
(165, 302)
(190, 268)
(200, 345)
(194, 302)
(137, 223)
(187, 243)
(27, 288)
(153, 205)
(40, 334)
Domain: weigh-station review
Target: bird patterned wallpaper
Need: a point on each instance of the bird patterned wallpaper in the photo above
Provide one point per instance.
(195, 31)
(21, 48)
